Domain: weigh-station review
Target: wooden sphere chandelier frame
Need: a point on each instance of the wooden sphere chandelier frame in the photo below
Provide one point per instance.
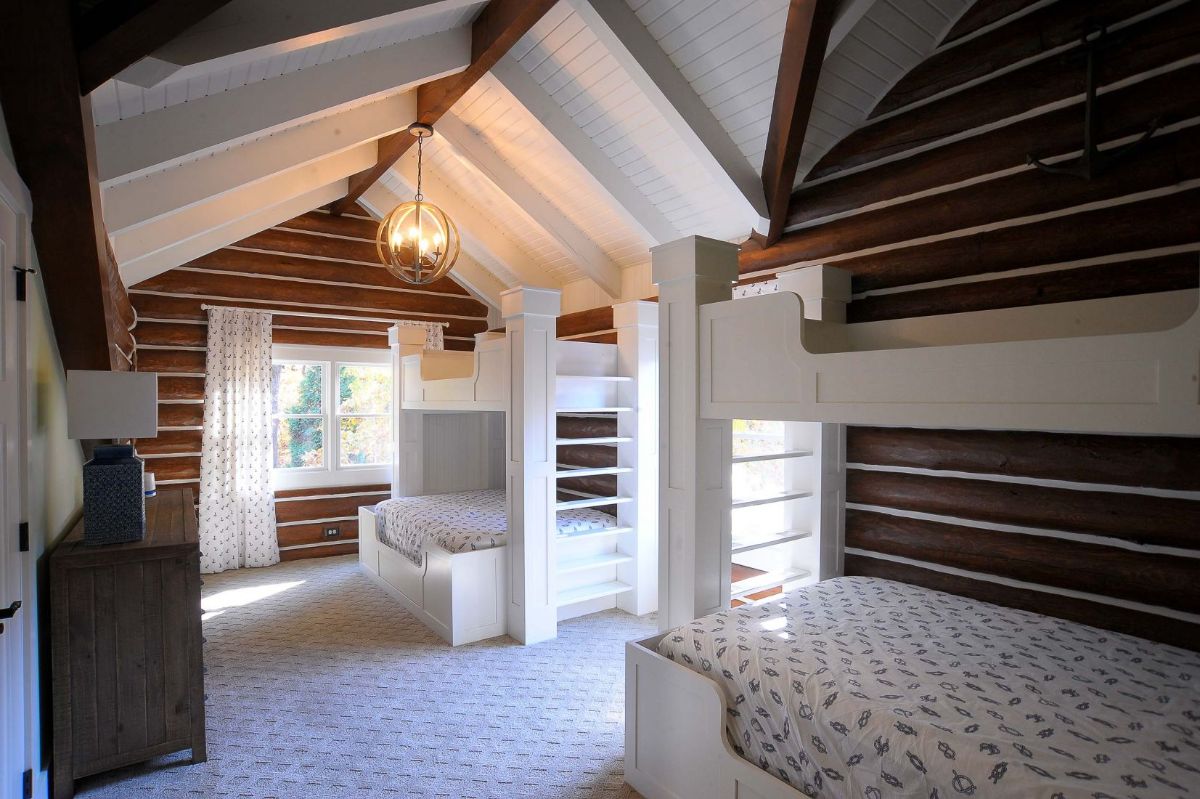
(417, 241)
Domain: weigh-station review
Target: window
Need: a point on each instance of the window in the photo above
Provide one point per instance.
(331, 414)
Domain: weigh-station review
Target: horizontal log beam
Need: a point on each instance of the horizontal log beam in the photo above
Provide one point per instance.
(1029, 36)
(1149, 578)
(174, 387)
(1109, 617)
(601, 485)
(1122, 279)
(189, 415)
(331, 551)
(293, 266)
(174, 468)
(186, 361)
(1167, 221)
(592, 320)
(1164, 97)
(1163, 521)
(1148, 45)
(585, 426)
(321, 491)
(1164, 161)
(179, 281)
(590, 456)
(1145, 461)
(170, 442)
(980, 15)
(300, 534)
(323, 507)
(344, 225)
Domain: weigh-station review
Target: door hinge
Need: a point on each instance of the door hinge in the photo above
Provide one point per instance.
(22, 275)
(23, 537)
(27, 784)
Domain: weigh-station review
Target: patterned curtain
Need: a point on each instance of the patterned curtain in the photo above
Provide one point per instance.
(237, 505)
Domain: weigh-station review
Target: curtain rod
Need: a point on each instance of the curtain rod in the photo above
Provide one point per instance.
(313, 315)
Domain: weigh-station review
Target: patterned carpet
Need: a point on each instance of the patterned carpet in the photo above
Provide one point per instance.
(320, 685)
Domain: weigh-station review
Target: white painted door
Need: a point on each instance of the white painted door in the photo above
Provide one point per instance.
(16, 640)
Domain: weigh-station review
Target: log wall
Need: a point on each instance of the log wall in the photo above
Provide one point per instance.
(933, 209)
(314, 263)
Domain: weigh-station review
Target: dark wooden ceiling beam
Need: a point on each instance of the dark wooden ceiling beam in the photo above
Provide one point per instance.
(805, 38)
(149, 29)
(493, 34)
(51, 133)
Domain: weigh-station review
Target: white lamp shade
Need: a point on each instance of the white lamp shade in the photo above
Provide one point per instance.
(112, 404)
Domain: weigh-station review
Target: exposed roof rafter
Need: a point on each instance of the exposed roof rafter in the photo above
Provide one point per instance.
(494, 32)
(635, 49)
(584, 253)
(138, 144)
(805, 38)
(167, 191)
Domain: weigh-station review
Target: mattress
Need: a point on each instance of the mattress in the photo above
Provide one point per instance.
(461, 522)
(860, 687)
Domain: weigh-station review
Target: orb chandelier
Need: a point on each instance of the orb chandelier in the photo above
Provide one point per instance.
(417, 241)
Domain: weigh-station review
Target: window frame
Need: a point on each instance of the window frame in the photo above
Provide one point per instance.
(332, 473)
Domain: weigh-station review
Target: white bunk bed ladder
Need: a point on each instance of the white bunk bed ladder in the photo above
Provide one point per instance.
(616, 566)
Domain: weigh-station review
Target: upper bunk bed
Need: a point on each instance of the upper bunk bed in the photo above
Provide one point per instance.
(1120, 365)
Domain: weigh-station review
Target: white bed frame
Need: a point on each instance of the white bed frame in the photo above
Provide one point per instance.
(675, 741)
(460, 596)
(1125, 366)
(516, 372)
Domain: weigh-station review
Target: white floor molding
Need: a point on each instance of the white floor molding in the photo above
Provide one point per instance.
(292, 651)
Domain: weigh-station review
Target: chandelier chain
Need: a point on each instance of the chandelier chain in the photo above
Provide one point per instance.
(420, 153)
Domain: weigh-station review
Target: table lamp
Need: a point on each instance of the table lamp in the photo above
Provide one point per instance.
(115, 406)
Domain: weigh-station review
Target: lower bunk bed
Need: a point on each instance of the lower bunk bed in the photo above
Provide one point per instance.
(862, 687)
(443, 557)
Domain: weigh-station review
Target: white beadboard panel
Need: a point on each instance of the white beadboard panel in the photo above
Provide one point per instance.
(891, 38)
(115, 100)
(729, 52)
(507, 217)
(567, 60)
(517, 137)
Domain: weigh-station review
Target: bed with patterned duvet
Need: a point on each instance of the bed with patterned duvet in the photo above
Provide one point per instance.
(861, 687)
(462, 521)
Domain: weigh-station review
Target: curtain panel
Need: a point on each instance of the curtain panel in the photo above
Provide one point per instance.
(237, 503)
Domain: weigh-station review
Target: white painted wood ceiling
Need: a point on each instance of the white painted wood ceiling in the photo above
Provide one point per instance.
(563, 163)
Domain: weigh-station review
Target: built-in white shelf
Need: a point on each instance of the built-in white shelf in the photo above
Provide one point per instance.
(774, 456)
(749, 543)
(566, 442)
(593, 472)
(783, 496)
(591, 502)
(582, 593)
(600, 409)
(759, 582)
(600, 532)
(593, 562)
(598, 378)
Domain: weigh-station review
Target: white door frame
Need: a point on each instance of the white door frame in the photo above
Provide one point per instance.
(18, 580)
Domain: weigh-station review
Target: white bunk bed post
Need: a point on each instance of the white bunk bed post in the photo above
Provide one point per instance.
(408, 458)
(695, 453)
(531, 461)
(637, 357)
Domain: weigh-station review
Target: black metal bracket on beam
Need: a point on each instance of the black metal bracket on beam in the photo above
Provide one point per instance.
(1093, 161)
(22, 275)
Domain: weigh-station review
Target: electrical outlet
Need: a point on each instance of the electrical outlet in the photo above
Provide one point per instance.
(333, 532)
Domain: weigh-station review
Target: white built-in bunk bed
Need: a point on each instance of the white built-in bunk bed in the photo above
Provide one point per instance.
(863, 687)
(476, 468)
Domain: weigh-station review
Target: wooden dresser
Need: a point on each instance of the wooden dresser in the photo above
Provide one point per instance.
(126, 646)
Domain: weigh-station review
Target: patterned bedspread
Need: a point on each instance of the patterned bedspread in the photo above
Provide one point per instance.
(461, 521)
(860, 687)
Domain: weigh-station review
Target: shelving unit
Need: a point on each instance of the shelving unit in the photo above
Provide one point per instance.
(616, 386)
(775, 525)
